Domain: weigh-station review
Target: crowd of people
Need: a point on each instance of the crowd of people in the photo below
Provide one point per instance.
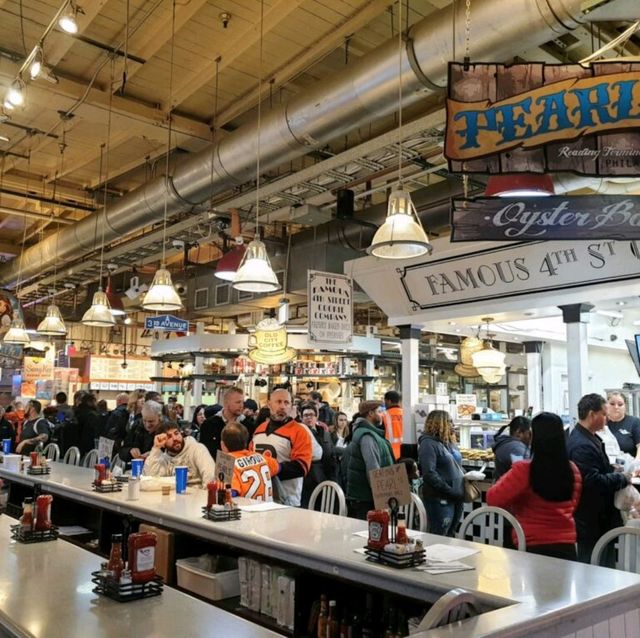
(559, 485)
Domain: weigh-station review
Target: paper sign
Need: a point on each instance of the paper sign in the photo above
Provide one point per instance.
(390, 482)
(225, 464)
(105, 447)
(465, 406)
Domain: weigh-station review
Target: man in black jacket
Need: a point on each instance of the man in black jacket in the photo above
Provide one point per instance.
(139, 441)
(596, 513)
(211, 429)
(116, 425)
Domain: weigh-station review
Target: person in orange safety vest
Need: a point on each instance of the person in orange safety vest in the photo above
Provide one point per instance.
(393, 425)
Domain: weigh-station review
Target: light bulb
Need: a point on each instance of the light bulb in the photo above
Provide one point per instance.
(15, 96)
(36, 64)
(67, 21)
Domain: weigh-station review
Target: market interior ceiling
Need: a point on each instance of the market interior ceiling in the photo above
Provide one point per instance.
(53, 148)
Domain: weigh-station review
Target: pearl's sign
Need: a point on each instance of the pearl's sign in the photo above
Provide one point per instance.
(530, 218)
(537, 117)
(518, 270)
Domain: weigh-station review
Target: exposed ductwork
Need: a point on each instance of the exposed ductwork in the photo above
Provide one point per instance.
(365, 91)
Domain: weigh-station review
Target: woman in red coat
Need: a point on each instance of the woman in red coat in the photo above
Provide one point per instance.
(542, 493)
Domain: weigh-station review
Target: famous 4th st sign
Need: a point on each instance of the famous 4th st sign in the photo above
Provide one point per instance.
(538, 117)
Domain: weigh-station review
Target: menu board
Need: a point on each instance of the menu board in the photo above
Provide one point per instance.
(465, 406)
(108, 372)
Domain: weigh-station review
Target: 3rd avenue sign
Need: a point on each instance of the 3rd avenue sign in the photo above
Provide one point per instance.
(579, 217)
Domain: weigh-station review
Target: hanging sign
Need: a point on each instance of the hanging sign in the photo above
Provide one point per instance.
(579, 217)
(330, 307)
(389, 482)
(587, 118)
(269, 343)
(168, 323)
(520, 269)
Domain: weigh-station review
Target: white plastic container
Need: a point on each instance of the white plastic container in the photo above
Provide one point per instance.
(214, 586)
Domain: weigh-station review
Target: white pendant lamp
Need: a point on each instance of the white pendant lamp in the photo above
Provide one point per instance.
(52, 324)
(17, 333)
(162, 296)
(255, 273)
(489, 362)
(401, 236)
(99, 314)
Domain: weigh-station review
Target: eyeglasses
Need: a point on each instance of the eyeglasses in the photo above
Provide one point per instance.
(307, 415)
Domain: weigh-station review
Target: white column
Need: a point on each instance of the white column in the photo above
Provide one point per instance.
(369, 371)
(533, 350)
(196, 391)
(410, 336)
(576, 318)
(157, 386)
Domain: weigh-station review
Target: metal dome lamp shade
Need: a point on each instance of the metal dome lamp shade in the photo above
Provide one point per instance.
(52, 325)
(230, 262)
(17, 333)
(162, 296)
(255, 273)
(99, 314)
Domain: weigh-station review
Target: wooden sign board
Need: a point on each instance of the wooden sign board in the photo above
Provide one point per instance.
(537, 117)
(225, 464)
(534, 218)
(390, 482)
(330, 307)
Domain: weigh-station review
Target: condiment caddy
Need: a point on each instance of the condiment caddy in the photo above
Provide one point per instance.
(39, 465)
(104, 482)
(134, 580)
(220, 505)
(38, 528)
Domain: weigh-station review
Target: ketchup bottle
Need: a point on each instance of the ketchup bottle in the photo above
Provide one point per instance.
(142, 556)
(378, 521)
(43, 512)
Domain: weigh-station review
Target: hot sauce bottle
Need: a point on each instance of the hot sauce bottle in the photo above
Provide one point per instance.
(26, 520)
(378, 521)
(116, 564)
(142, 556)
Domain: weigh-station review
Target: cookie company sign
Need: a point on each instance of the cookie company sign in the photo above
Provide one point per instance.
(330, 307)
(581, 217)
(518, 270)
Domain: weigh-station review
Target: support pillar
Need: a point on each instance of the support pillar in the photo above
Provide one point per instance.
(576, 317)
(196, 388)
(410, 336)
(369, 371)
(533, 350)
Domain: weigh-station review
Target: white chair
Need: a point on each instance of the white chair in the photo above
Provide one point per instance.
(628, 546)
(490, 524)
(72, 456)
(52, 452)
(455, 605)
(116, 461)
(416, 507)
(328, 492)
(90, 459)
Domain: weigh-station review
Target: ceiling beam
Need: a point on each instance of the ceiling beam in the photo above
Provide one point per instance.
(18, 186)
(237, 47)
(315, 52)
(8, 248)
(31, 214)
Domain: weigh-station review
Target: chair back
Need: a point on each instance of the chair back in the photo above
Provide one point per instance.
(415, 514)
(90, 458)
(72, 456)
(627, 541)
(456, 604)
(330, 495)
(486, 525)
(116, 461)
(52, 452)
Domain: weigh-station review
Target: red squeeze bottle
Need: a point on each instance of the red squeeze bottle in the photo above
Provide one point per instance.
(212, 490)
(142, 555)
(43, 512)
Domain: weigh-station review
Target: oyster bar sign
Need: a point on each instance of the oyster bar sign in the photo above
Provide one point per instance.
(578, 217)
(518, 270)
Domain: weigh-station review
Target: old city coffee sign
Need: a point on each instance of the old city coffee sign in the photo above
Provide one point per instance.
(531, 218)
(518, 269)
(538, 117)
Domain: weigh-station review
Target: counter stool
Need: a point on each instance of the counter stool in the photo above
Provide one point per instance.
(627, 540)
(90, 459)
(328, 492)
(456, 604)
(488, 530)
(72, 456)
(52, 452)
(415, 514)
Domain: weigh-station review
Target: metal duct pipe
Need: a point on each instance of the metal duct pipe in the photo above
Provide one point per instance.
(334, 107)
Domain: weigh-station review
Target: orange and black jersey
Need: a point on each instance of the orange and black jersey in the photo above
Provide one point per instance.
(252, 475)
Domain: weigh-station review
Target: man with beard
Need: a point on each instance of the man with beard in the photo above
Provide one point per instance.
(170, 450)
(289, 442)
(211, 429)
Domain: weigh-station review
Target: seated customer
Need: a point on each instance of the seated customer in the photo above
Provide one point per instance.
(139, 441)
(171, 449)
(543, 493)
(253, 471)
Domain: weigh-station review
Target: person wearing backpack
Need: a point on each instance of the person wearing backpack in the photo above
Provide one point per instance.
(36, 429)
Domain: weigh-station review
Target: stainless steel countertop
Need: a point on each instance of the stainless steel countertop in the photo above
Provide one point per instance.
(531, 589)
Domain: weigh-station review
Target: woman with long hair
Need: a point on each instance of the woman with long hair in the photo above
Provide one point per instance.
(443, 478)
(542, 493)
(340, 430)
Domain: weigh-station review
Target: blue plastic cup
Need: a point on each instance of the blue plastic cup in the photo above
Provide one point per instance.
(136, 467)
(6, 446)
(181, 479)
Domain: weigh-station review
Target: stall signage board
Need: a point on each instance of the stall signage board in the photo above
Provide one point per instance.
(330, 299)
(520, 269)
(537, 117)
(168, 323)
(513, 219)
(390, 482)
(465, 406)
(225, 464)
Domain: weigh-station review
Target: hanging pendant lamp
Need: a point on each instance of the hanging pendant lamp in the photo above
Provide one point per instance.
(230, 262)
(52, 324)
(401, 236)
(162, 296)
(255, 273)
(99, 314)
(520, 185)
(17, 333)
